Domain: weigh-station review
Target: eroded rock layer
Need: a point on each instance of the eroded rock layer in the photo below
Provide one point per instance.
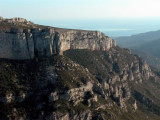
(25, 40)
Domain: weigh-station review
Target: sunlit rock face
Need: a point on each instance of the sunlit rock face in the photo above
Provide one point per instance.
(27, 40)
(79, 84)
(16, 45)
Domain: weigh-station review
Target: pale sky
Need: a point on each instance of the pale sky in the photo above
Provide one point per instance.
(79, 9)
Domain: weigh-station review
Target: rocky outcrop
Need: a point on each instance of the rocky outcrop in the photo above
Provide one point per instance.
(58, 88)
(15, 20)
(28, 41)
(8, 98)
(86, 115)
(135, 107)
(79, 85)
(1, 18)
(75, 95)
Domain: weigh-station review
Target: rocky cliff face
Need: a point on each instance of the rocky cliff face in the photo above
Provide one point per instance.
(93, 80)
(24, 40)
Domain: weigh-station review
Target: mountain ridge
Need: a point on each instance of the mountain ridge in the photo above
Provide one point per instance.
(25, 40)
(146, 45)
(138, 39)
(94, 79)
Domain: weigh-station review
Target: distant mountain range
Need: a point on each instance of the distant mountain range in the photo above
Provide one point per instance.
(145, 44)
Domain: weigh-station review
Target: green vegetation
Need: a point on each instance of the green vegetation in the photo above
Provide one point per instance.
(14, 74)
(99, 63)
(70, 74)
(17, 76)
(96, 61)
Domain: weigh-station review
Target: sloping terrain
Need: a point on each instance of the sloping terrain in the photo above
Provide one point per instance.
(81, 85)
(137, 40)
(50, 73)
(153, 61)
(151, 48)
(145, 45)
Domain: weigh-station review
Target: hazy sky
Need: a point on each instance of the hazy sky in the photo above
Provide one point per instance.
(79, 9)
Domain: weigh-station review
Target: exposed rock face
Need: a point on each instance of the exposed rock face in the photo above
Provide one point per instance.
(135, 107)
(84, 40)
(16, 45)
(75, 95)
(1, 18)
(25, 42)
(86, 115)
(8, 98)
(79, 85)
(15, 20)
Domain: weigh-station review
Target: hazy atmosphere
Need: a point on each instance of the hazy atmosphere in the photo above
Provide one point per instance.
(79, 59)
(113, 17)
(79, 9)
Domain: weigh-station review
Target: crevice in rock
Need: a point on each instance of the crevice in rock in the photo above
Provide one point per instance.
(55, 49)
(28, 46)
(34, 43)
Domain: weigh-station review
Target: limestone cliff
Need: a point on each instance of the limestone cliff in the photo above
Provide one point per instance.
(25, 40)
(93, 80)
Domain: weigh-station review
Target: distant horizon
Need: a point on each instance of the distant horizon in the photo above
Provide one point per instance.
(111, 27)
(113, 17)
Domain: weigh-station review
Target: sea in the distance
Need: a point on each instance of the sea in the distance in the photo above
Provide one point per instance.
(111, 27)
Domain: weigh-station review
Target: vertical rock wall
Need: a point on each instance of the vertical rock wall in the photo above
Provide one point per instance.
(16, 45)
(27, 43)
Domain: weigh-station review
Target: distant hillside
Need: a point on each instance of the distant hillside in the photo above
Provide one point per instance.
(152, 47)
(145, 45)
(151, 60)
(138, 40)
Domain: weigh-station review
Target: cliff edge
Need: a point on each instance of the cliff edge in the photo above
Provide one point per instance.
(21, 39)
(93, 80)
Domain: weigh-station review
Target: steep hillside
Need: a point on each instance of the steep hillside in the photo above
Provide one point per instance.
(93, 80)
(153, 61)
(98, 85)
(137, 40)
(21, 40)
(151, 48)
(145, 45)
